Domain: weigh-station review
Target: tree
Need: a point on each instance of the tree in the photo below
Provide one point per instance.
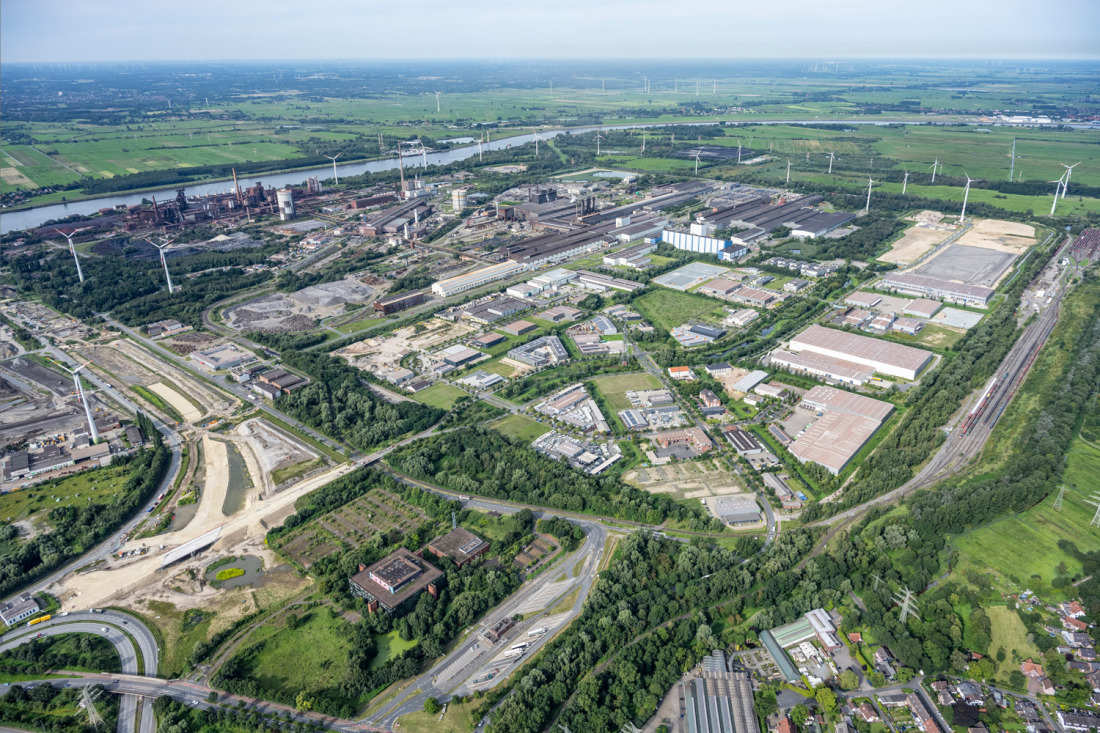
(799, 715)
(826, 698)
(303, 701)
(432, 706)
(848, 680)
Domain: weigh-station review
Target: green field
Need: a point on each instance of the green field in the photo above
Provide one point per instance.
(614, 386)
(1009, 632)
(496, 367)
(98, 484)
(668, 309)
(520, 427)
(440, 395)
(360, 325)
(457, 719)
(389, 646)
(996, 546)
(291, 661)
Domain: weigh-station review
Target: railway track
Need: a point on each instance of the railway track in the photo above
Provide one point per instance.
(973, 429)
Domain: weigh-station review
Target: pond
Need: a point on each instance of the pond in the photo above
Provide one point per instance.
(252, 566)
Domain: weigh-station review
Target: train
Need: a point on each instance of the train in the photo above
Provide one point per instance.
(39, 620)
(984, 402)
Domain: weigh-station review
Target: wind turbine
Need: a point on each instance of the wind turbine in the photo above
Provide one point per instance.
(333, 159)
(643, 139)
(904, 182)
(696, 162)
(423, 153)
(437, 102)
(537, 138)
(934, 167)
(598, 138)
(83, 397)
(163, 261)
(1069, 173)
(738, 152)
(479, 146)
(832, 155)
(870, 183)
(72, 249)
(966, 194)
(788, 172)
(1057, 186)
(1012, 164)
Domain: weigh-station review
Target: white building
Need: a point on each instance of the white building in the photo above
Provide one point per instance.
(477, 278)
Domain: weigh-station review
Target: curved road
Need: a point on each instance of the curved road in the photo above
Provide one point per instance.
(135, 644)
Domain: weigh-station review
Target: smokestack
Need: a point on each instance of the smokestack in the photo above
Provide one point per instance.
(401, 167)
(236, 186)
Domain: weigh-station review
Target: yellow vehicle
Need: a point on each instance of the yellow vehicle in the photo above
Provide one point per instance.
(39, 620)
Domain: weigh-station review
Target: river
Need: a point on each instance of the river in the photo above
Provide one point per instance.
(26, 219)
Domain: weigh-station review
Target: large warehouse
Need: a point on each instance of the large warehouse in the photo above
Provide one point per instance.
(882, 356)
(848, 422)
(819, 365)
(933, 287)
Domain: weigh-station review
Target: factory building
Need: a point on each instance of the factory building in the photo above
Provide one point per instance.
(882, 356)
(718, 700)
(913, 284)
(848, 422)
(724, 249)
(477, 278)
(394, 581)
(396, 303)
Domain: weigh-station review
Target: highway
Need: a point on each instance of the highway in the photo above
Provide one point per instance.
(135, 644)
(959, 449)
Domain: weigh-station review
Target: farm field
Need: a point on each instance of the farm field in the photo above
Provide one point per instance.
(668, 309)
(440, 395)
(614, 387)
(520, 427)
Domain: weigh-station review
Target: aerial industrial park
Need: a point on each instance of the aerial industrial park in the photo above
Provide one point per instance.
(462, 396)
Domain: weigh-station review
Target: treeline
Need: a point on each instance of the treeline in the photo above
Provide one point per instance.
(558, 376)
(22, 336)
(932, 404)
(290, 280)
(336, 403)
(70, 651)
(49, 709)
(78, 529)
(484, 462)
(133, 291)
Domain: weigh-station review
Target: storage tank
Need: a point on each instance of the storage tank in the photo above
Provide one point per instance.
(285, 199)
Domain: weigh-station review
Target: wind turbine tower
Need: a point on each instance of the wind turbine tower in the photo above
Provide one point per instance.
(966, 195)
(437, 101)
(870, 183)
(83, 397)
(904, 182)
(79, 272)
(334, 174)
(163, 261)
(1069, 174)
(697, 163)
(537, 138)
(788, 172)
(643, 140)
(934, 167)
(479, 146)
(1012, 161)
(598, 138)
(1057, 187)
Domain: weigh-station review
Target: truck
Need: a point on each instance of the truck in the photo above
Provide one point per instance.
(521, 646)
(513, 653)
(39, 620)
(537, 632)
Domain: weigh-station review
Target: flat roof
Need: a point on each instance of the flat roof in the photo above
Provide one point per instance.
(834, 439)
(851, 404)
(457, 544)
(910, 279)
(862, 347)
(403, 558)
(866, 299)
(922, 307)
(823, 363)
(750, 380)
(742, 440)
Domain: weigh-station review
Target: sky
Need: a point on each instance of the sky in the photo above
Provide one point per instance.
(129, 30)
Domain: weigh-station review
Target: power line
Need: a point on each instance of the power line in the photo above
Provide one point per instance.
(1058, 501)
(1095, 501)
(908, 604)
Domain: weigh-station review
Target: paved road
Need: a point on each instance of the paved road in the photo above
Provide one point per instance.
(135, 644)
(474, 653)
(110, 544)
